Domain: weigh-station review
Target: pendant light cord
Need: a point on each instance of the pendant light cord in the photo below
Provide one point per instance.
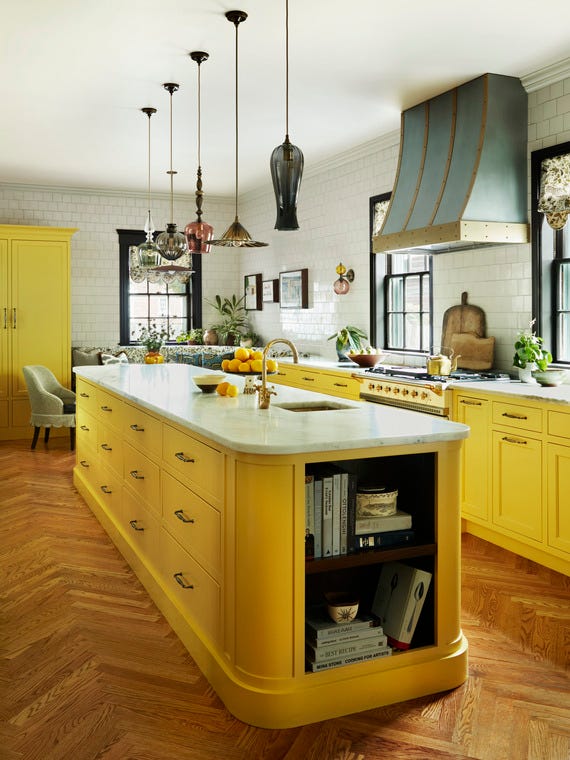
(148, 179)
(236, 120)
(287, 69)
(171, 171)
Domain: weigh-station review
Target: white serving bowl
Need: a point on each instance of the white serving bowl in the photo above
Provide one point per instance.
(208, 383)
(549, 377)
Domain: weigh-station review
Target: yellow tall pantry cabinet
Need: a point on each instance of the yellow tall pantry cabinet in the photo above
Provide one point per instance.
(35, 315)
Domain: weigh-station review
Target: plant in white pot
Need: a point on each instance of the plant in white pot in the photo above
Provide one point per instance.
(530, 354)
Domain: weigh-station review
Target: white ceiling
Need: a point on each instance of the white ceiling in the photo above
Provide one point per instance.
(75, 73)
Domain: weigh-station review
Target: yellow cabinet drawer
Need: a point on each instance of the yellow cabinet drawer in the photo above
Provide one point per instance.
(559, 424)
(194, 523)
(200, 466)
(198, 595)
(142, 475)
(142, 430)
(87, 465)
(86, 396)
(141, 528)
(109, 409)
(340, 385)
(517, 416)
(86, 430)
(109, 489)
(110, 448)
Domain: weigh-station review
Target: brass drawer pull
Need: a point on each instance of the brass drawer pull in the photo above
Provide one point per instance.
(136, 476)
(180, 455)
(84, 427)
(5, 318)
(179, 578)
(134, 526)
(84, 395)
(515, 416)
(341, 385)
(470, 403)
(514, 440)
(106, 447)
(106, 489)
(181, 516)
(84, 463)
(137, 429)
(283, 374)
(309, 379)
(106, 409)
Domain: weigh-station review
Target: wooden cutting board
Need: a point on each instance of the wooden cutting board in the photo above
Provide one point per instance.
(462, 319)
(473, 352)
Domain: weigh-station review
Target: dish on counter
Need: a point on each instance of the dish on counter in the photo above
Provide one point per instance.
(366, 360)
(549, 377)
(208, 383)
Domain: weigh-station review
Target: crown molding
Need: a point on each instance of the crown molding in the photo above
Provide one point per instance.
(546, 76)
(185, 197)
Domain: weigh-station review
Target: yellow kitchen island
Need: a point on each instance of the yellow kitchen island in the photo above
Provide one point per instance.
(205, 498)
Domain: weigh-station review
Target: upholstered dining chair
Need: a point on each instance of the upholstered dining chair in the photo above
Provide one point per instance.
(52, 404)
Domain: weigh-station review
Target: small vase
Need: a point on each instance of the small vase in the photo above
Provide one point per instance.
(153, 357)
(525, 374)
(210, 338)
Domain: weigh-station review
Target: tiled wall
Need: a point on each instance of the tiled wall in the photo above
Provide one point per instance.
(333, 217)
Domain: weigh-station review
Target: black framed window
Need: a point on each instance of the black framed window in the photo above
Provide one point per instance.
(550, 267)
(176, 307)
(401, 293)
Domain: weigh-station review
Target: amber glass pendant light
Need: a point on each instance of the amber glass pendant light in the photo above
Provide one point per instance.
(286, 160)
(148, 252)
(199, 233)
(236, 235)
(171, 244)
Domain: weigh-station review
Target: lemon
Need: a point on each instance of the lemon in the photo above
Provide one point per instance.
(242, 354)
(222, 388)
(257, 355)
(243, 367)
(232, 391)
(256, 365)
(271, 365)
(234, 365)
(226, 365)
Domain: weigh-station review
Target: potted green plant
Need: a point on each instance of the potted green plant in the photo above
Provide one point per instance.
(194, 337)
(530, 354)
(249, 339)
(233, 318)
(348, 338)
(152, 338)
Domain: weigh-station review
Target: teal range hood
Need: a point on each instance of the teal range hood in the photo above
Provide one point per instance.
(462, 172)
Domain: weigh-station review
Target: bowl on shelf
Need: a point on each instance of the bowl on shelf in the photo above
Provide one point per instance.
(549, 377)
(342, 606)
(366, 360)
(208, 383)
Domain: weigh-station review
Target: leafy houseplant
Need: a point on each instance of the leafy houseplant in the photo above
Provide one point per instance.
(151, 336)
(529, 350)
(233, 319)
(193, 337)
(348, 338)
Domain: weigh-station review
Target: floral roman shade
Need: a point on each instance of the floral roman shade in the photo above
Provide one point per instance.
(554, 199)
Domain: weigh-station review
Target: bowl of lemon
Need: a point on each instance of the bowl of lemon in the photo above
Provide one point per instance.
(247, 361)
(208, 383)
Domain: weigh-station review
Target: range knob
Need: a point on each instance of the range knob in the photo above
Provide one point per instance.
(414, 394)
(424, 395)
(371, 386)
(387, 388)
(396, 391)
(405, 392)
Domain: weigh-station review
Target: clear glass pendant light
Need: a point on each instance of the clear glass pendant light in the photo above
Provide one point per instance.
(148, 252)
(236, 236)
(286, 160)
(171, 244)
(199, 233)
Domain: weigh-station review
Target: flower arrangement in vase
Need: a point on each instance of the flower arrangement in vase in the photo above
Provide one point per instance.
(152, 338)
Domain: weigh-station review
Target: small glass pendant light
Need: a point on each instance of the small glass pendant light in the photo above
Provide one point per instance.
(171, 244)
(148, 253)
(236, 236)
(286, 160)
(199, 233)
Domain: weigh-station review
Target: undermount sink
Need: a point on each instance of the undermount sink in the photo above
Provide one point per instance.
(313, 406)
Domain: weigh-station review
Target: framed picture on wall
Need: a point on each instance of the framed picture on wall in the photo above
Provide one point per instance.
(294, 289)
(271, 291)
(252, 288)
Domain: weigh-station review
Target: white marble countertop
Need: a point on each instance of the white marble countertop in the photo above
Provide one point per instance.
(532, 391)
(237, 423)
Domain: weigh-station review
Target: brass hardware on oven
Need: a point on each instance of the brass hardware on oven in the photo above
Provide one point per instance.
(179, 578)
(180, 455)
(182, 517)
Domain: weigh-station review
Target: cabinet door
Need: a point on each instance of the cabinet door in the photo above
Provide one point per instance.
(40, 314)
(517, 484)
(559, 497)
(475, 464)
(5, 331)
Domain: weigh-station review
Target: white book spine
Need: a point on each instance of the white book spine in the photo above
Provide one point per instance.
(346, 649)
(318, 499)
(382, 652)
(327, 516)
(336, 514)
(310, 504)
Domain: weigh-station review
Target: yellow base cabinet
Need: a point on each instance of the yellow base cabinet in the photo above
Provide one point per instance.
(527, 507)
(220, 549)
(35, 314)
(340, 384)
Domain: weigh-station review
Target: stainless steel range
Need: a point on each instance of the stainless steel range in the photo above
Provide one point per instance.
(411, 388)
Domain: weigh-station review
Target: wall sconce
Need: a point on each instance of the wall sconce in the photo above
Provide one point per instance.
(345, 277)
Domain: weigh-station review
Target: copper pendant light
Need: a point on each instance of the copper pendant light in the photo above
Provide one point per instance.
(236, 236)
(199, 233)
(286, 160)
(171, 244)
(148, 253)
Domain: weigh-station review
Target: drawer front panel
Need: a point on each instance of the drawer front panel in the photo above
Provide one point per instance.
(109, 490)
(559, 424)
(142, 430)
(86, 430)
(195, 591)
(141, 528)
(87, 465)
(346, 387)
(517, 416)
(142, 476)
(86, 397)
(194, 523)
(200, 466)
(109, 409)
(110, 448)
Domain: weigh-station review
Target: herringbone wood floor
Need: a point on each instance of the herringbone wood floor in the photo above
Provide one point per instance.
(90, 669)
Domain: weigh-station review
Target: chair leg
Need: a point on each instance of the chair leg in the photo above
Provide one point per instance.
(72, 438)
(46, 436)
(35, 438)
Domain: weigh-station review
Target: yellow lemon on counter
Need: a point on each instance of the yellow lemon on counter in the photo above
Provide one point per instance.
(271, 365)
(222, 388)
(232, 391)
